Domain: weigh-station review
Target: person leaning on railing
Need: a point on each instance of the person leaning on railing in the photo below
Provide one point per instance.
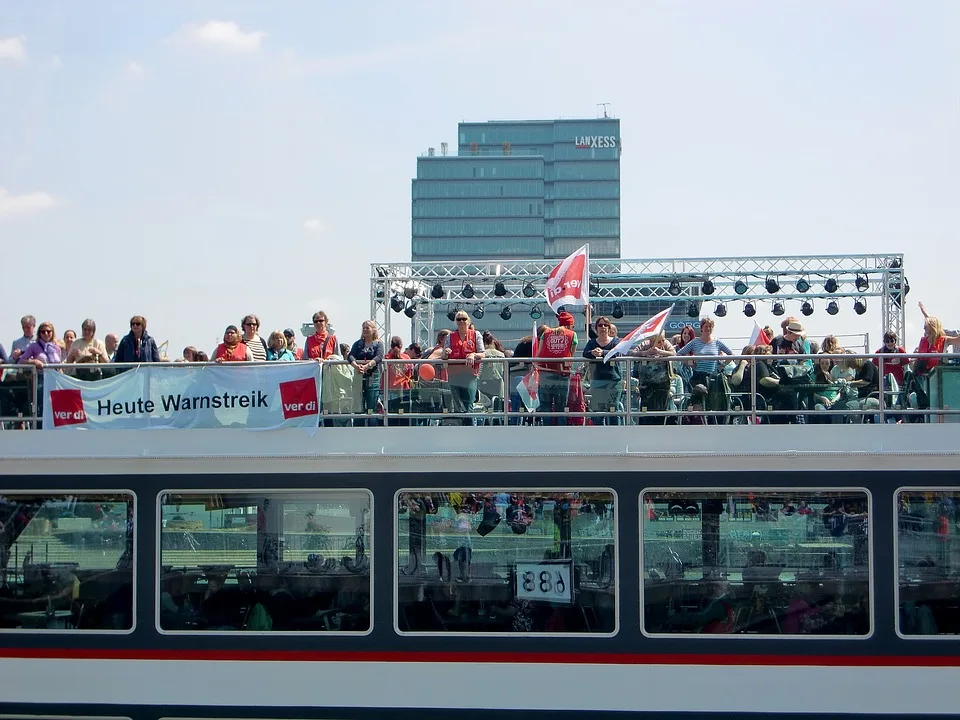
(137, 346)
(606, 378)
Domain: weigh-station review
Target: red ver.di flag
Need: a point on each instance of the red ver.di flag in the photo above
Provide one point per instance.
(569, 282)
(651, 328)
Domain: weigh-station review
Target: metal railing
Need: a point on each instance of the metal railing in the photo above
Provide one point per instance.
(416, 400)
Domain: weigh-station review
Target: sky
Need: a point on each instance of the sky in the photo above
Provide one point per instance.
(195, 162)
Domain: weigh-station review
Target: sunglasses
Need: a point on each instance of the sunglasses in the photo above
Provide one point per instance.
(249, 324)
(599, 325)
(463, 319)
(318, 320)
(136, 324)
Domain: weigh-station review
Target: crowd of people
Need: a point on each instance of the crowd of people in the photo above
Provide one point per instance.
(469, 366)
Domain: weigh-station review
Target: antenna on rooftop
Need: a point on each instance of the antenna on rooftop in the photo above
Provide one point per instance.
(604, 106)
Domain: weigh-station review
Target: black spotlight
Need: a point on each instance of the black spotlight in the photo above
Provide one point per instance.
(896, 263)
(396, 303)
(832, 307)
(830, 285)
(721, 310)
(499, 289)
(740, 287)
(617, 311)
(692, 309)
(772, 285)
(535, 312)
(859, 306)
(807, 308)
(505, 313)
(707, 288)
(410, 290)
(594, 288)
(778, 308)
(749, 310)
(803, 285)
(452, 313)
(467, 291)
(437, 291)
(410, 310)
(529, 290)
(862, 283)
(478, 311)
(675, 288)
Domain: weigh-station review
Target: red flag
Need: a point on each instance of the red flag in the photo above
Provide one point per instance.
(759, 337)
(651, 328)
(569, 282)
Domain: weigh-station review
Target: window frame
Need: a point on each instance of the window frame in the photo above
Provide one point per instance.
(371, 554)
(871, 581)
(523, 489)
(134, 566)
(896, 561)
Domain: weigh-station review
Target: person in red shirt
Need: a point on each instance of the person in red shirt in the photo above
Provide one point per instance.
(466, 345)
(232, 349)
(556, 343)
(322, 344)
(291, 339)
(894, 365)
(398, 377)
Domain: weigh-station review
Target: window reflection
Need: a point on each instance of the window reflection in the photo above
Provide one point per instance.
(500, 561)
(265, 561)
(66, 561)
(763, 562)
(928, 560)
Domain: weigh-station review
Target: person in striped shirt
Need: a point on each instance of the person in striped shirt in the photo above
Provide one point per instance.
(706, 344)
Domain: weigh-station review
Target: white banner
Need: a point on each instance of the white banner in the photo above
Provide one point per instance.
(184, 396)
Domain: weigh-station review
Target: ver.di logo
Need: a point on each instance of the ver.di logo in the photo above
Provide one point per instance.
(299, 398)
(67, 408)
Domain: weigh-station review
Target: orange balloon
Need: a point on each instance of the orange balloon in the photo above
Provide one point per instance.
(427, 372)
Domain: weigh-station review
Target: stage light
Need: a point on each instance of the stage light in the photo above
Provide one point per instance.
(410, 290)
(707, 288)
(693, 310)
(859, 306)
(772, 285)
(529, 290)
(778, 308)
(594, 288)
(807, 308)
(396, 303)
(437, 292)
(675, 288)
(505, 313)
(803, 285)
(862, 283)
(467, 291)
(478, 311)
(740, 287)
(452, 313)
(617, 311)
(535, 312)
(749, 310)
(830, 285)
(499, 289)
(832, 307)
(410, 310)
(721, 310)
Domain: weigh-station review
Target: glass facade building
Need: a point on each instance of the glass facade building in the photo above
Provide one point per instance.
(520, 189)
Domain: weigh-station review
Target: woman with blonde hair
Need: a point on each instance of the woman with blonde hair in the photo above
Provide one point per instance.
(277, 349)
(365, 357)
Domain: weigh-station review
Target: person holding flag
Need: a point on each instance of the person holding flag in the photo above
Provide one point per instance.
(555, 345)
(606, 382)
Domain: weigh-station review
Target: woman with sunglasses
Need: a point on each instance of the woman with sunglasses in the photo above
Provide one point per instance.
(366, 357)
(137, 346)
(465, 345)
(606, 379)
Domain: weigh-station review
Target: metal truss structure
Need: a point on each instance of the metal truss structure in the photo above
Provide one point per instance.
(420, 291)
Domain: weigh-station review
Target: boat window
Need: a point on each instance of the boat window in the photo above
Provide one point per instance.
(66, 561)
(762, 562)
(265, 561)
(928, 561)
(506, 561)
